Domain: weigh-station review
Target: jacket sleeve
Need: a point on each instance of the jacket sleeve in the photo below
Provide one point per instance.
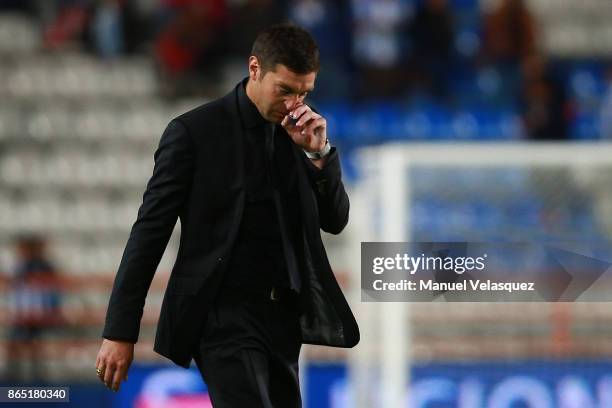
(332, 200)
(165, 194)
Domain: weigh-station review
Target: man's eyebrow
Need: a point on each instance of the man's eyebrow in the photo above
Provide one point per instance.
(288, 88)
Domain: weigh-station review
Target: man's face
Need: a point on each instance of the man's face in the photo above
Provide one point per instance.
(278, 91)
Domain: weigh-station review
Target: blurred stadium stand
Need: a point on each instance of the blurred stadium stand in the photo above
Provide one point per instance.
(76, 142)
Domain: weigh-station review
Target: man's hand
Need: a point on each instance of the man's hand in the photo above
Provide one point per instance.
(309, 131)
(113, 362)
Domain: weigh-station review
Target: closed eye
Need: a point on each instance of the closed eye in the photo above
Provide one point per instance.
(288, 91)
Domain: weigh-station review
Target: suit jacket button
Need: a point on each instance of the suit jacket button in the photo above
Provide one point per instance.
(219, 259)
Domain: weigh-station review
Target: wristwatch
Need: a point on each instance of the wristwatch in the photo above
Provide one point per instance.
(320, 154)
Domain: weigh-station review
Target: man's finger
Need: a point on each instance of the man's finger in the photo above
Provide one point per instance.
(299, 111)
(109, 374)
(314, 125)
(119, 375)
(306, 117)
(101, 372)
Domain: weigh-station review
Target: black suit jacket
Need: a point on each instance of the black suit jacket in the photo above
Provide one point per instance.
(199, 178)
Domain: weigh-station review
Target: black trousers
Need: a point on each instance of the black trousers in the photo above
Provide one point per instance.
(249, 349)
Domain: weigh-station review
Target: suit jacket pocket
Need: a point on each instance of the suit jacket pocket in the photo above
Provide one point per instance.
(183, 285)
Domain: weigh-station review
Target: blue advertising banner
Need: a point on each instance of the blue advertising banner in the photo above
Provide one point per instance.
(167, 386)
(528, 384)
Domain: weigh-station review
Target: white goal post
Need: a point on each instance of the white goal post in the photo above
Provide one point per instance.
(575, 175)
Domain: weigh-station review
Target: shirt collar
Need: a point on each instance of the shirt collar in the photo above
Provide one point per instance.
(248, 110)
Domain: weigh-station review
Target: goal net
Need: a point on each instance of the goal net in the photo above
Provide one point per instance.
(483, 354)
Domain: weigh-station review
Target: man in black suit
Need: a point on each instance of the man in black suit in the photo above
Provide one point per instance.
(253, 179)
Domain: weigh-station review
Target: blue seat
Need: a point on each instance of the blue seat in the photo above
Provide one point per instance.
(585, 127)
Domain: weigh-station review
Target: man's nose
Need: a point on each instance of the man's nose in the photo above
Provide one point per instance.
(293, 102)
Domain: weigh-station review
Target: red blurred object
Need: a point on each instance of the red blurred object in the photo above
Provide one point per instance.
(190, 34)
(174, 56)
(70, 23)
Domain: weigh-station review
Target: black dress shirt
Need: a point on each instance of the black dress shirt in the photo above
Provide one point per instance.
(264, 252)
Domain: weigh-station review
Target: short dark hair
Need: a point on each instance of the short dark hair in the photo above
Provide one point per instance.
(289, 45)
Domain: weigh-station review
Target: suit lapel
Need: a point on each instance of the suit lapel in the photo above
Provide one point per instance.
(234, 142)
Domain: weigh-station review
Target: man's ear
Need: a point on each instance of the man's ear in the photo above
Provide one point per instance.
(254, 68)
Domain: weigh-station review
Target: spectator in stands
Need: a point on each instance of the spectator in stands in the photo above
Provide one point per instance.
(252, 16)
(544, 101)
(136, 24)
(72, 18)
(192, 44)
(107, 30)
(329, 23)
(510, 32)
(509, 37)
(377, 46)
(431, 33)
(118, 27)
(34, 307)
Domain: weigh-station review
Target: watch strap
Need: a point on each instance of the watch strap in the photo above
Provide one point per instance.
(320, 154)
